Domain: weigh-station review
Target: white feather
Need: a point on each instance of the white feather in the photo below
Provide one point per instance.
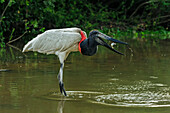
(55, 41)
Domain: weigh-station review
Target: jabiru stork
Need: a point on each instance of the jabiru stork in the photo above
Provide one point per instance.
(63, 41)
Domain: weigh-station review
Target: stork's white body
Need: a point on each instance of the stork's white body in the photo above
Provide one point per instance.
(56, 41)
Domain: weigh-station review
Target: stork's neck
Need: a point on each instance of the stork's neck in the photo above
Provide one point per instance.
(88, 46)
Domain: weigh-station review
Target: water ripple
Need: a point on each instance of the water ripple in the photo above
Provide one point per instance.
(145, 99)
(137, 94)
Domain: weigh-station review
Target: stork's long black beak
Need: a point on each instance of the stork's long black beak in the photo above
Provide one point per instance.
(102, 36)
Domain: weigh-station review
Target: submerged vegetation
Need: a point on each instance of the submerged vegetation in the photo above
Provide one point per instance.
(138, 18)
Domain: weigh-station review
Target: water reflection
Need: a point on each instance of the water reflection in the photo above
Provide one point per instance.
(60, 107)
(14, 93)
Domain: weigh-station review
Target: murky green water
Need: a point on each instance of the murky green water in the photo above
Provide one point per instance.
(105, 83)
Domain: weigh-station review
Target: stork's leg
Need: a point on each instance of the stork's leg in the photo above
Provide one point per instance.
(62, 57)
(60, 78)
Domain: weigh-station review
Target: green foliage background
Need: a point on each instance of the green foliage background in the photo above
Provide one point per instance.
(35, 16)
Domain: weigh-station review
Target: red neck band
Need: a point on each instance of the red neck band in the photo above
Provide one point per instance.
(83, 37)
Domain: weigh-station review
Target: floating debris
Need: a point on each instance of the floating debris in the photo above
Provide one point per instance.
(153, 77)
(4, 70)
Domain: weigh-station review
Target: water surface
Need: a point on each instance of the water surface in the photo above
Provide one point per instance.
(105, 83)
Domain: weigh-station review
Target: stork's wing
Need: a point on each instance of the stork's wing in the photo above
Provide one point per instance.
(54, 40)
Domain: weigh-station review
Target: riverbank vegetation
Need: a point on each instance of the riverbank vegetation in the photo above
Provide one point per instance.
(118, 18)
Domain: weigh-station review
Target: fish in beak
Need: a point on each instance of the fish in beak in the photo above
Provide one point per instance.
(100, 37)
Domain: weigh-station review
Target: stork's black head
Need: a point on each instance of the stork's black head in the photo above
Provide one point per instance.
(89, 45)
(98, 37)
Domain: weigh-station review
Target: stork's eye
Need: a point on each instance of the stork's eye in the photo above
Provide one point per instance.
(94, 32)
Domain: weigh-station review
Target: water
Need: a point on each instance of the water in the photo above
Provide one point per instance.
(104, 83)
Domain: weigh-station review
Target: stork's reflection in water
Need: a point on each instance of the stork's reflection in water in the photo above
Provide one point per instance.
(60, 107)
